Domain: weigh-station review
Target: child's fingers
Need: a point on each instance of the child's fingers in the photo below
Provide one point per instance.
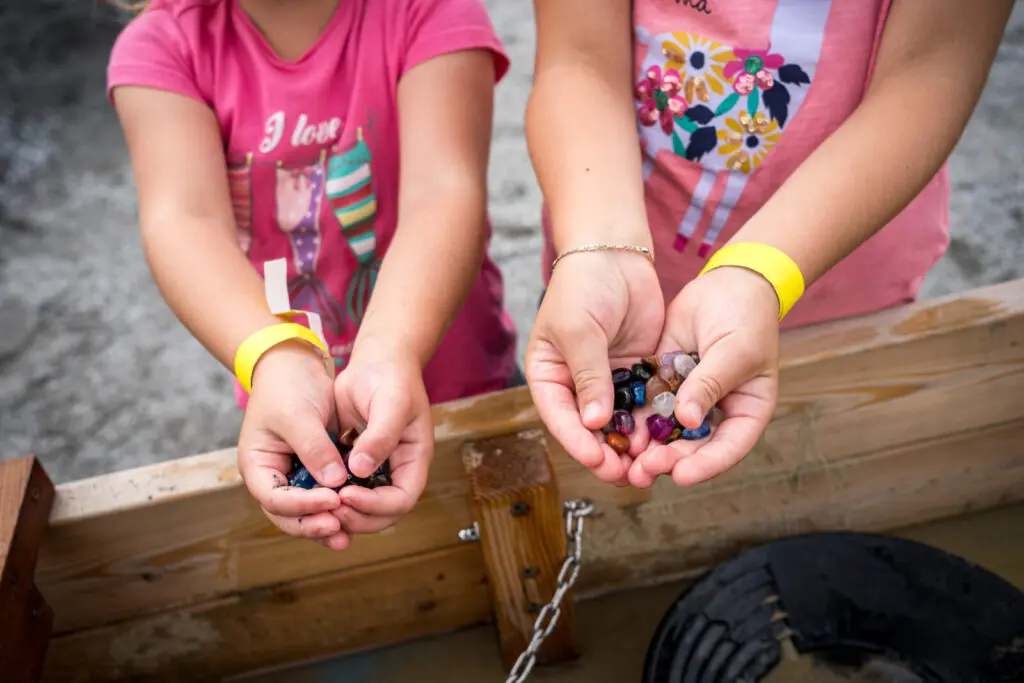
(640, 439)
(611, 468)
(388, 418)
(557, 408)
(587, 359)
(386, 501)
(318, 526)
(356, 522)
(726, 365)
(338, 541)
(728, 444)
(304, 432)
(269, 486)
(410, 466)
(652, 464)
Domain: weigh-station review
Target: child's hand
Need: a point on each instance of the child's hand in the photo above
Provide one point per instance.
(383, 390)
(289, 409)
(730, 317)
(600, 307)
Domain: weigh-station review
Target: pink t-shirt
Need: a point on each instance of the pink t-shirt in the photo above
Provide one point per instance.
(731, 97)
(313, 155)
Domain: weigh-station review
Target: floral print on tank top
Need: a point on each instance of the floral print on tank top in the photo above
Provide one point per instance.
(724, 107)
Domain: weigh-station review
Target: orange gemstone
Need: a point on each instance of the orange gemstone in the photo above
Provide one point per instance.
(618, 442)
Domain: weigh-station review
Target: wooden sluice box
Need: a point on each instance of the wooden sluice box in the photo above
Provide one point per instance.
(171, 572)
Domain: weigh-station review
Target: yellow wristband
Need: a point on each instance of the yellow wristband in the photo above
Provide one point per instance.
(770, 263)
(259, 342)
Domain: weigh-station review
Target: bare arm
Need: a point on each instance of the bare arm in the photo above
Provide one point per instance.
(188, 227)
(932, 65)
(581, 124)
(445, 107)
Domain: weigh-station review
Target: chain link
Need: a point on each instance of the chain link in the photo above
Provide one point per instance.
(575, 512)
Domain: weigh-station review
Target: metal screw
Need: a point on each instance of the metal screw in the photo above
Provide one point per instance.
(520, 508)
(470, 533)
(530, 572)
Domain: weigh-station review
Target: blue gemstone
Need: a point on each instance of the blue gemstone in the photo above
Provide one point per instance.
(639, 393)
(698, 433)
(300, 477)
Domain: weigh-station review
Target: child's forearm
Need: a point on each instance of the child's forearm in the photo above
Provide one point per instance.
(931, 69)
(430, 267)
(445, 111)
(581, 125)
(207, 282)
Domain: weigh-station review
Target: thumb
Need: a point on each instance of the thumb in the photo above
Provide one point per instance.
(387, 419)
(586, 355)
(721, 370)
(308, 438)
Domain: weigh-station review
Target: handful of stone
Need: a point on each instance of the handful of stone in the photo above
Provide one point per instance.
(300, 477)
(655, 381)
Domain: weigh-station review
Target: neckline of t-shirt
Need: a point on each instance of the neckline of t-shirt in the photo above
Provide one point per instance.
(257, 35)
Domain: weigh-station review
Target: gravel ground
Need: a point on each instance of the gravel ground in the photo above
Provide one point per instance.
(97, 375)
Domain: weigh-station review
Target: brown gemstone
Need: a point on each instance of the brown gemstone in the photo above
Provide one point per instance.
(618, 442)
(656, 385)
(348, 438)
(673, 382)
(653, 361)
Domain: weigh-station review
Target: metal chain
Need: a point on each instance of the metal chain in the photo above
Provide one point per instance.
(575, 512)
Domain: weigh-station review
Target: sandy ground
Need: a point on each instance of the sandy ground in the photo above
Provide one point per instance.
(97, 375)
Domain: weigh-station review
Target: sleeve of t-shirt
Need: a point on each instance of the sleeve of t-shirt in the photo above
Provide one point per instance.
(152, 51)
(438, 27)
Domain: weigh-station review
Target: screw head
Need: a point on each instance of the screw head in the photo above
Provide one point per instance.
(520, 508)
(470, 534)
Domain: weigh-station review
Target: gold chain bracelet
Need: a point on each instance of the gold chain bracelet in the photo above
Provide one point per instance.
(644, 251)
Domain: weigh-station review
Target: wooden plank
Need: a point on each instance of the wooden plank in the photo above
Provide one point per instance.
(625, 546)
(26, 495)
(340, 612)
(518, 509)
(147, 540)
(28, 625)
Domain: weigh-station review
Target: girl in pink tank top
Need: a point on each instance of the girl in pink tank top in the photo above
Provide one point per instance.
(754, 150)
(345, 144)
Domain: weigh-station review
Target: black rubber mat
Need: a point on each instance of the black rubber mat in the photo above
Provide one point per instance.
(848, 595)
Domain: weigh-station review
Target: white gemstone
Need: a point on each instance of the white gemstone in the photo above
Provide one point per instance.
(664, 404)
(684, 365)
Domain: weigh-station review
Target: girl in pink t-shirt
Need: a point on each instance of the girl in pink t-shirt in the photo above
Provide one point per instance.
(792, 142)
(350, 140)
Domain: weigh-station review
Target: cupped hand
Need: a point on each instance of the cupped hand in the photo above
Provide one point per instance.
(289, 411)
(600, 309)
(381, 393)
(730, 317)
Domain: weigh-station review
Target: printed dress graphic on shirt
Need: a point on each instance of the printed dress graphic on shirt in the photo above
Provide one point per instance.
(724, 107)
(351, 196)
(299, 193)
(240, 187)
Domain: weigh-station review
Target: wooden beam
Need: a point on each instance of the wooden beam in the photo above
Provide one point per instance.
(518, 510)
(135, 545)
(626, 545)
(26, 495)
(147, 540)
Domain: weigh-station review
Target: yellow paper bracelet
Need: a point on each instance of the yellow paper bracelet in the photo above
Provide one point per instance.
(259, 342)
(774, 265)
